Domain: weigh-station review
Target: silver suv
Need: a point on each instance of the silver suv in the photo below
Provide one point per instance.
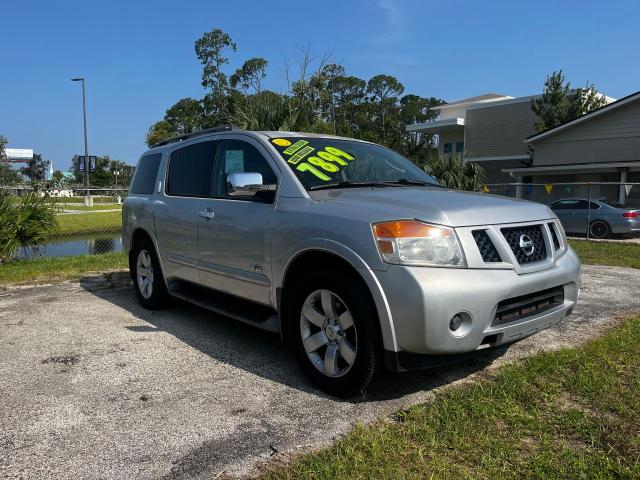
(355, 256)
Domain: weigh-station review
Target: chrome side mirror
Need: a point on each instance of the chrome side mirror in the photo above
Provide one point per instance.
(244, 184)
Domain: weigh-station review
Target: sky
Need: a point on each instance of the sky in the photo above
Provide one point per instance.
(138, 57)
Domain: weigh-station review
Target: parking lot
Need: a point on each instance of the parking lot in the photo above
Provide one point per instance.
(92, 385)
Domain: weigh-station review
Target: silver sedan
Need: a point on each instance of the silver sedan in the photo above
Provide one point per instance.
(601, 217)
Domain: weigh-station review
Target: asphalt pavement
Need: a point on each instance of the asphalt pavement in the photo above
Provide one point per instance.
(94, 386)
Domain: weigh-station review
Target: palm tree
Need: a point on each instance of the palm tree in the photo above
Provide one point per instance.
(270, 111)
(456, 172)
(24, 223)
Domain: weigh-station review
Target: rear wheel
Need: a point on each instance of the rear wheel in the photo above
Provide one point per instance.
(147, 276)
(599, 229)
(333, 332)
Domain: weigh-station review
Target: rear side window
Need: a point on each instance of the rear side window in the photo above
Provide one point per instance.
(190, 170)
(144, 180)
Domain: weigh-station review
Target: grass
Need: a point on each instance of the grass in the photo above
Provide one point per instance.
(47, 270)
(617, 254)
(566, 414)
(89, 223)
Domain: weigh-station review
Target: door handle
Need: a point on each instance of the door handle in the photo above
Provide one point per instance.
(207, 213)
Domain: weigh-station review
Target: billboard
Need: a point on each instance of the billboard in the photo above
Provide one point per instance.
(19, 153)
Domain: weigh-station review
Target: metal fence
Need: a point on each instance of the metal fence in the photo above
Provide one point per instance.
(591, 210)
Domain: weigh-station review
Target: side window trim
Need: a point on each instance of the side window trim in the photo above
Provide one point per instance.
(264, 153)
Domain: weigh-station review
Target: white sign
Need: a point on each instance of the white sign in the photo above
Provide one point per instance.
(19, 153)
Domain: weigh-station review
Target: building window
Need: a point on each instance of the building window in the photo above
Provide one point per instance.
(459, 147)
(448, 147)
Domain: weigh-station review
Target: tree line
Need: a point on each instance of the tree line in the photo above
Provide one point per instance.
(35, 172)
(320, 97)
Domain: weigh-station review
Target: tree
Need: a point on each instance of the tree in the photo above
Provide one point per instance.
(158, 132)
(57, 178)
(251, 74)
(8, 176)
(210, 50)
(383, 90)
(36, 168)
(3, 144)
(455, 172)
(185, 116)
(560, 103)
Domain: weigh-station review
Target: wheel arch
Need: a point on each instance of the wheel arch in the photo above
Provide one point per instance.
(138, 234)
(326, 255)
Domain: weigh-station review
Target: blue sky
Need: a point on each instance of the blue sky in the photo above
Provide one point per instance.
(138, 56)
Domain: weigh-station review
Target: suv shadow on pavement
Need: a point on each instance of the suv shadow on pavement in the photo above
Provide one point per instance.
(263, 353)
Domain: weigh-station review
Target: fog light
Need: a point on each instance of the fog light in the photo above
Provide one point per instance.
(455, 323)
(460, 324)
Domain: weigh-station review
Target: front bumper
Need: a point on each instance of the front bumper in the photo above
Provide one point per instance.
(423, 300)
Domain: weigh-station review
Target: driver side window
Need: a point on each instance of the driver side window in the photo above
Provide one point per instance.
(236, 156)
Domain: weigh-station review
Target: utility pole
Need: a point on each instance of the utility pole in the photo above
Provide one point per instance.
(88, 201)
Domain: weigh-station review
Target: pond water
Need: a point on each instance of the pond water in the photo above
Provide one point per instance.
(77, 245)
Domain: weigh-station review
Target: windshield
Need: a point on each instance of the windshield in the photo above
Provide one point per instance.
(332, 163)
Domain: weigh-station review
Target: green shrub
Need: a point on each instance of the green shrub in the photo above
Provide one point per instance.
(456, 171)
(24, 223)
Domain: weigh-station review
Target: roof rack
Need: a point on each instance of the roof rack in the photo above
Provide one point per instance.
(181, 138)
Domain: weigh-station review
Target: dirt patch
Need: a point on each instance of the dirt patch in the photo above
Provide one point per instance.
(62, 359)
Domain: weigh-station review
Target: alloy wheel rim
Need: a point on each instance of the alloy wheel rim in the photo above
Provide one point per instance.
(144, 274)
(328, 333)
(598, 229)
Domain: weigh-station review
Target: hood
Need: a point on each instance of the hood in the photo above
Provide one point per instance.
(437, 205)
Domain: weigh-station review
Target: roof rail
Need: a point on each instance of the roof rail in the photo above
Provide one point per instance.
(181, 138)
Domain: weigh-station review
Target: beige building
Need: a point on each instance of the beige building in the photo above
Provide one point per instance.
(490, 129)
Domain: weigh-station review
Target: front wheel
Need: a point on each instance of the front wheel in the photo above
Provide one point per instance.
(333, 331)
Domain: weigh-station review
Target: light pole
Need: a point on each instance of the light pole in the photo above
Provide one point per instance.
(87, 198)
(117, 173)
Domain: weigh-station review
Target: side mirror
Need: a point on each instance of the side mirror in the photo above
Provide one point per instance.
(245, 184)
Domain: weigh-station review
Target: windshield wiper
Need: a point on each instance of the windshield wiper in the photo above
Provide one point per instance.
(351, 184)
(406, 181)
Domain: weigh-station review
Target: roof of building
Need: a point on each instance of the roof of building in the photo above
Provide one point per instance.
(586, 117)
(478, 98)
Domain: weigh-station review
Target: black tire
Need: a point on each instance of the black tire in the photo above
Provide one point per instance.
(599, 229)
(158, 297)
(352, 295)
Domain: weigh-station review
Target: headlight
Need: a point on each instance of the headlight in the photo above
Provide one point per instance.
(563, 235)
(409, 242)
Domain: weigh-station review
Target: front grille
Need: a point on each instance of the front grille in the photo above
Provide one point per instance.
(486, 246)
(513, 235)
(518, 308)
(554, 236)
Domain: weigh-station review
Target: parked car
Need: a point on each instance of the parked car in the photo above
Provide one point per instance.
(355, 256)
(602, 218)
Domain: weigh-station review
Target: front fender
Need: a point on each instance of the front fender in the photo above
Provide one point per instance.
(355, 260)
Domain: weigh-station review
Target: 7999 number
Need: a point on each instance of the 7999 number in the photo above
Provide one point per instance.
(331, 159)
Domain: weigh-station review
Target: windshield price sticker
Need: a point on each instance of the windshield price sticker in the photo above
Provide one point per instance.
(300, 154)
(295, 147)
(328, 160)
